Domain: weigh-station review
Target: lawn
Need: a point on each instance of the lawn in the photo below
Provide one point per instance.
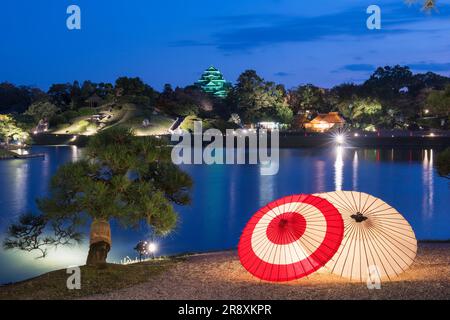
(158, 124)
(94, 280)
(128, 115)
(188, 124)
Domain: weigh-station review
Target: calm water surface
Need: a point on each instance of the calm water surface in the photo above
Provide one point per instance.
(225, 197)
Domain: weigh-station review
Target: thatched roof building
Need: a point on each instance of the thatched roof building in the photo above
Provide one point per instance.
(325, 121)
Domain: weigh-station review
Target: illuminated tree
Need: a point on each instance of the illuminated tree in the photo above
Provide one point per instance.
(10, 130)
(123, 178)
(42, 110)
(361, 111)
(257, 100)
(438, 102)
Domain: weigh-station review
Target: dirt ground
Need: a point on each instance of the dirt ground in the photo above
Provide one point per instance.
(220, 276)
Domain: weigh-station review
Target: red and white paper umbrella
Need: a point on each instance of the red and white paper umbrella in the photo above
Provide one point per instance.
(291, 238)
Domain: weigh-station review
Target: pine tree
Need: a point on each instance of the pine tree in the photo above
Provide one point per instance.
(122, 178)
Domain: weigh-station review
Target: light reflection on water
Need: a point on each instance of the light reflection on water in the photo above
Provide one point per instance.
(225, 197)
(339, 168)
(427, 181)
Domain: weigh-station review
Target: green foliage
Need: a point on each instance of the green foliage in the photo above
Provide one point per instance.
(438, 102)
(443, 163)
(42, 110)
(86, 111)
(258, 100)
(129, 86)
(361, 111)
(9, 129)
(18, 98)
(189, 101)
(28, 234)
(308, 97)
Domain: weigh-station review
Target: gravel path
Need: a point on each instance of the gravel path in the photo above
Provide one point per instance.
(220, 276)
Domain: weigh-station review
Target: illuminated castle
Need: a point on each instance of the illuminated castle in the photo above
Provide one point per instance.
(212, 82)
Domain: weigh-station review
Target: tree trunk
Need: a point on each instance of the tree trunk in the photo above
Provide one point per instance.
(100, 242)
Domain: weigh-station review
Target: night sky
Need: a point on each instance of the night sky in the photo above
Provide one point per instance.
(324, 42)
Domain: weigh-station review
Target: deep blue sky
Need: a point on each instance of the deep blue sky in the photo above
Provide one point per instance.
(324, 42)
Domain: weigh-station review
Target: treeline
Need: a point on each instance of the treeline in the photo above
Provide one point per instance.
(391, 97)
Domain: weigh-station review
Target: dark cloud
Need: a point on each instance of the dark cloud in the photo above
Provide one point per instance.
(430, 66)
(283, 74)
(189, 43)
(246, 32)
(359, 67)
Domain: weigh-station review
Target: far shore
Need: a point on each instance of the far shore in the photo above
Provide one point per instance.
(295, 140)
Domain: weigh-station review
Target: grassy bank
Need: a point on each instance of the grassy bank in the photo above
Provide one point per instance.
(94, 280)
(6, 154)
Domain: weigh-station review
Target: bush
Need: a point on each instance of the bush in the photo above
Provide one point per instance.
(86, 111)
(443, 163)
(69, 115)
(57, 120)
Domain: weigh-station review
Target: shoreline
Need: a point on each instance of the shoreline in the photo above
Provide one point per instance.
(289, 140)
(219, 275)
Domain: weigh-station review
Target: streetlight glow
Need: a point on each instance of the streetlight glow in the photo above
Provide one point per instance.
(152, 247)
(340, 139)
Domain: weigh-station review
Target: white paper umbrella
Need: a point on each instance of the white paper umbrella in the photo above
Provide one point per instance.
(378, 241)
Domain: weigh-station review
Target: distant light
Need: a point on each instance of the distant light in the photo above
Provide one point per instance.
(152, 247)
(426, 111)
(432, 134)
(356, 135)
(340, 139)
(35, 132)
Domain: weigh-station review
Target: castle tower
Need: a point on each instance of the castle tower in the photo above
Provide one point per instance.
(212, 82)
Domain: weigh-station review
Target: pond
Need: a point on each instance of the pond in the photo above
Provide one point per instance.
(225, 197)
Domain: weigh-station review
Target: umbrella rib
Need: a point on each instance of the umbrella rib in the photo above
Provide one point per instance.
(373, 256)
(386, 234)
(340, 202)
(389, 251)
(370, 210)
(350, 236)
(370, 205)
(354, 253)
(365, 255)
(365, 202)
(384, 251)
(271, 247)
(374, 210)
(354, 201)
(355, 209)
(387, 227)
(342, 248)
(299, 260)
(260, 245)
